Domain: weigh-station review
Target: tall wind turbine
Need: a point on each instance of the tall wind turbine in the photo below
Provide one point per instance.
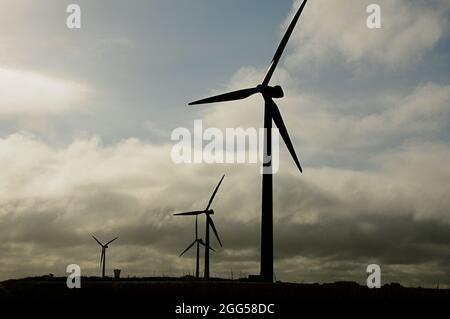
(198, 241)
(271, 113)
(209, 223)
(103, 256)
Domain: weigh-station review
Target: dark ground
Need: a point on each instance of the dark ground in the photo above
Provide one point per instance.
(217, 289)
(164, 294)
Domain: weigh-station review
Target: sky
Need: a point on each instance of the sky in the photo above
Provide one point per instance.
(86, 117)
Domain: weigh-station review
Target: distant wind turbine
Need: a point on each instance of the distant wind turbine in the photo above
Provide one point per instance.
(198, 241)
(271, 113)
(209, 223)
(103, 256)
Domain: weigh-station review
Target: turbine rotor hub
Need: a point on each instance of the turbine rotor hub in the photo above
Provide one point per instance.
(271, 91)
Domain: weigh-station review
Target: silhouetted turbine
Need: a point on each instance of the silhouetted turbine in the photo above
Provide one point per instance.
(198, 241)
(103, 256)
(209, 223)
(271, 113)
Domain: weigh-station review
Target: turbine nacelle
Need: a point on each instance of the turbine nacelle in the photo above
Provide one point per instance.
(275, 92)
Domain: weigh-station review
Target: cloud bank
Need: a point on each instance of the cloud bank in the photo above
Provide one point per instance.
(26, 93)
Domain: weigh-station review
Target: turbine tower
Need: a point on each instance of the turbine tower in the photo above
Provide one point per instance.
(271, 113)
(198, 242)
(209, 224)
(103, 256)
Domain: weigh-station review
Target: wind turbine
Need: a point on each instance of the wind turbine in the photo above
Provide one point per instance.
(198, 241)
(209, 223)
(103, 256)
(271, 113)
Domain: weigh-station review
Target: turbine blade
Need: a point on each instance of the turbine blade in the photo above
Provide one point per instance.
(276, 116)
(211, 222)
(231, 96)
(282, 45)
(189, 247)
(111, 241)
(214, 193)
(97, 240)
(194, 213)
(203, 244)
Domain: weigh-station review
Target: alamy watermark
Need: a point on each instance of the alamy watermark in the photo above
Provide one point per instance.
(230, 146)
(74, 277)
(373, 276)
(374, 19)
(73, 21)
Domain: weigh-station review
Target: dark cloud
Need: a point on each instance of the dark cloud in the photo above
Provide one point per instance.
(333, 245)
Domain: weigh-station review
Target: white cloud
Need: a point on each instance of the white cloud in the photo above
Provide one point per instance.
(33, 170)
(410, 180)
(339, 27)
(420, 114)
(24, 93)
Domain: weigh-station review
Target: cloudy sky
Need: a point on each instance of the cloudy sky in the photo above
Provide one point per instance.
(86, 118)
